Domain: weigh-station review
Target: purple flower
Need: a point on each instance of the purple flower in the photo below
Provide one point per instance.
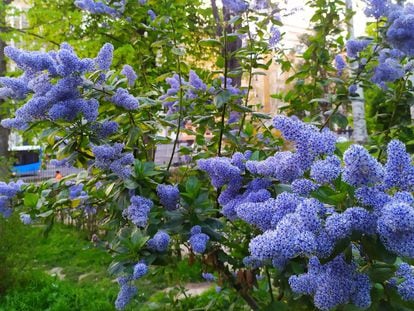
(326, 171)
(138, 211)
(106, 129)
(396, 228)
(130, 74)
(335, 283)
(361, 169)
(389, 68)
(124, 296)
(169, 196)
(353, 89)
(221, 171)
(353, 47)
(104, 59)
(124, 99)
(340, 64)
(111, 158)
(303, 187)
(25, 219)
(401, 31)
(275, 36)
(140, 269)
(152, 14)
(208, 277)
(236, 6)
(96, 7)
(198, 240)
(159, 242)
(377, 8)
(398, 170)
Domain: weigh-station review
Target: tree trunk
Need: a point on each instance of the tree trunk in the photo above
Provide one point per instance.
(4, 133)
(231, 47)
(360, 133)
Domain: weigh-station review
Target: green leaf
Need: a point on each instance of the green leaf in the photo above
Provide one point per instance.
(210, 43)
(222, 98)
(30, 199)
(261, 115)
(45, 214)
(178, 51)
(115, 268)
(276, 305)
(340, 120)
(130, 184)
(376, 250)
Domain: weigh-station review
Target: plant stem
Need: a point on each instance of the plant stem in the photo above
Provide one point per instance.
(223, 113)
(181, 95)
(269, 282)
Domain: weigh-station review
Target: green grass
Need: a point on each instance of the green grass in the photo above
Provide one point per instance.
(25, 285)
(29, 255)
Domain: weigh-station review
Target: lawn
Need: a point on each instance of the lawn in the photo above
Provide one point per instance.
(64, 271)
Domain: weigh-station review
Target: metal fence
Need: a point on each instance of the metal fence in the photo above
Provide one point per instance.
(162, 157)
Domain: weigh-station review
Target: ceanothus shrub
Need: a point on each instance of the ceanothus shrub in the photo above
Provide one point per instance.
(327, 229)
(340, 219)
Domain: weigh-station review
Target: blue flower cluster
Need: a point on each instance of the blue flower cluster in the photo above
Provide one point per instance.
(128, 291)
(275, 36)
(25, 219)
(60, 100)
(361, 169)
(396, 227)
(122, 98)
(340, 64)
(399, 172)
(333, 284)
(191, 89)
(111, 158)
(303, 187)
(400, 32)
(208, 277)
(399, 36)
(354, 219)
(325, 171)
(297, 233)
(309, 141)
(159, 242)
(255, 192)
(377, 8)
(236, 6)
(258, 214)
(130, 74)
(221, 171)
(138, 211)
(151, 14)
(389, 67)
(105, 129)
(353, 47)
(65, 162)
(7, 192)
(100, 7)
(252, 262)
(294, 225)
(169, 196)
(140, 269)
(406, 287)
(54, 83)
(77, 192)
(198, 240)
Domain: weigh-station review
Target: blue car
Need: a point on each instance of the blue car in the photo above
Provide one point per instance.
(27, 160)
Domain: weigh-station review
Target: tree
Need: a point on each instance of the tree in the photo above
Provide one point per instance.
(4, 132)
